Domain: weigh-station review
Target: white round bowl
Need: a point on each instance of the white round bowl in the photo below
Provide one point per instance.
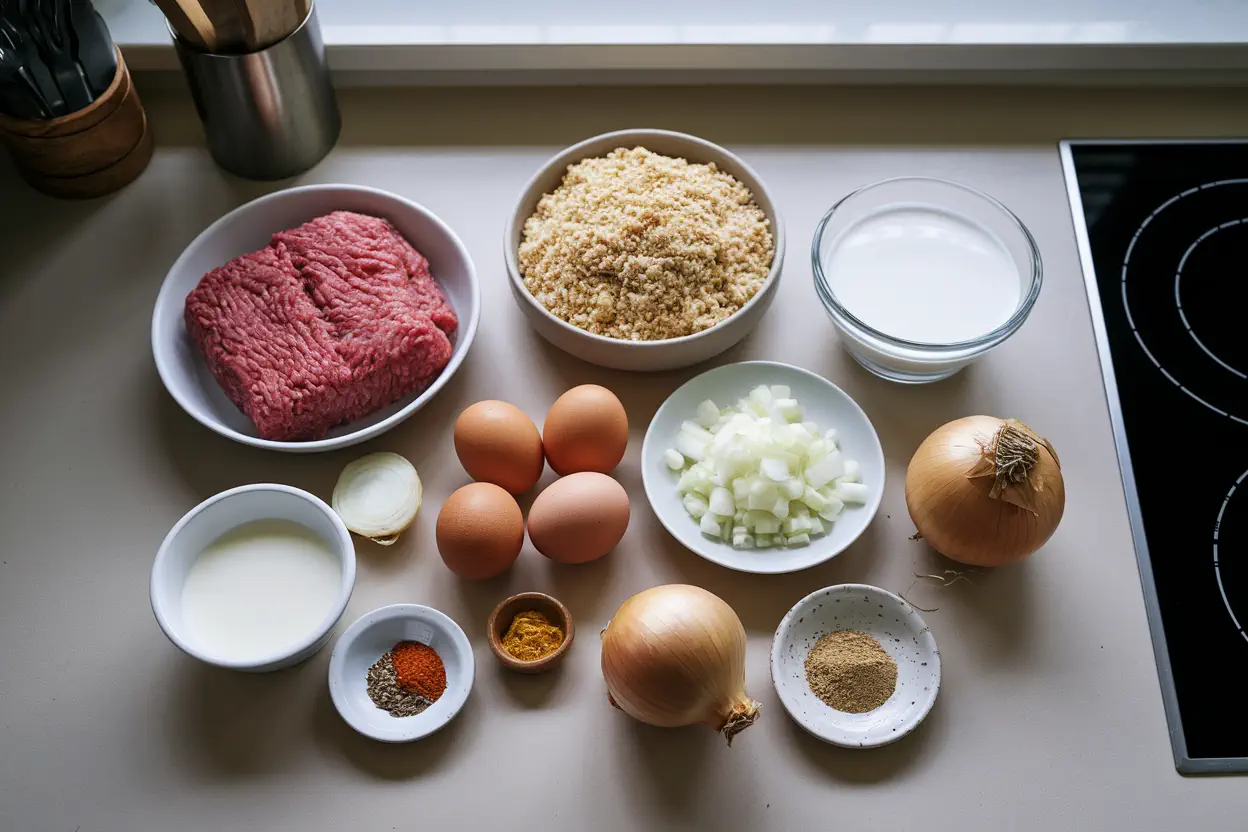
(368, 639)
(222, 513)
(899, 629)
(823, 402)
(641, 355)
(249, 228)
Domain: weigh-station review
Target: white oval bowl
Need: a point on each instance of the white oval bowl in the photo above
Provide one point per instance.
(368, 638)
(249, 228)
(822, 402)
(899, 629)
(222, 513)
(641, 355)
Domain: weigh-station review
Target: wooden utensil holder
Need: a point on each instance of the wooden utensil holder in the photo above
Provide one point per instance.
(89, 153)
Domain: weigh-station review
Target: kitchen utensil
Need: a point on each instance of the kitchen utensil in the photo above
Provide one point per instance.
(249, 228)
(899, 629)
(268, 114)
(222, 513)
(822, 402)
(374, 634)
(641, 355)
(15, 99)
(92, 45)
(19, 95)
(88, 153)
(886, 354)
(188, 22)
(13, 32)
(227, 18)
(500, 620)
(49, 29)
(268, 21)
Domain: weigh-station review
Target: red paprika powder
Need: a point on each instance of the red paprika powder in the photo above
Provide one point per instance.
(419, 669)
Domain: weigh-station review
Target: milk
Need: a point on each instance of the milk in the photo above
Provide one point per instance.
(259, 590)
(922, 274)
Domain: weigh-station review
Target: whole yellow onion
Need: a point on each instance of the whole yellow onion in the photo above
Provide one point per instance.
(675, 655)
(985, 491)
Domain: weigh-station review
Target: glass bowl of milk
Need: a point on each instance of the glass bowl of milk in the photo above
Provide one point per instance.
(254, 578)
(920, 276)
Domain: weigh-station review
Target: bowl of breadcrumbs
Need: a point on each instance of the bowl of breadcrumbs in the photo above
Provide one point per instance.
(644, 250)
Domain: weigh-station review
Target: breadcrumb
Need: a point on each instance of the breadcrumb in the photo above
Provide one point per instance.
(643, 247)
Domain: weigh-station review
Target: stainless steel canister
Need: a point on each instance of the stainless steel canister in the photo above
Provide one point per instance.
(268, 114)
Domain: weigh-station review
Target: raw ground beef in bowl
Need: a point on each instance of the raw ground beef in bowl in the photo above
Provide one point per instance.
(323, 332)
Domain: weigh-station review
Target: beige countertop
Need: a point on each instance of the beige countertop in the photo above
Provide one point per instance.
(1050, 713)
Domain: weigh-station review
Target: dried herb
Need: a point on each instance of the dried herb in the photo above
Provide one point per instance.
(386, 692)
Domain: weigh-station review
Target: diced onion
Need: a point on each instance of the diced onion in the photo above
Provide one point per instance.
(776, 470)
(757, 475)
(852, 493)
(722, 503)
(707, 414)
(696, 505)
(377, 496)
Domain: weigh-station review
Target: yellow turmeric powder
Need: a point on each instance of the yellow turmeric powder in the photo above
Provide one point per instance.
(532, 636)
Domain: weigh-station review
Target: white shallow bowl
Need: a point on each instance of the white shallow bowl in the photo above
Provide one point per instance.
(641, 355)
(899, 629)
(367, 639)
(249, 228)
(822, 402)
(227, 511)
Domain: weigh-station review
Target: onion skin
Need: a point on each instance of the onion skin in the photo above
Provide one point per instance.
(955, 513)
(675, 655)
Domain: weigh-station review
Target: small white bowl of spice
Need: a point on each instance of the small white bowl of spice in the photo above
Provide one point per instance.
(399, 673)
(855, 665)
(644, 250)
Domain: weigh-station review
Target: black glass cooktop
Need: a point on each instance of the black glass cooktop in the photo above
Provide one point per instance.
(1163, 234)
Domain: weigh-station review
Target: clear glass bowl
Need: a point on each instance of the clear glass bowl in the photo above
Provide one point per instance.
(895, 358)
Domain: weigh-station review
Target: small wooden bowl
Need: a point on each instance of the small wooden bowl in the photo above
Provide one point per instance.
(501, 618)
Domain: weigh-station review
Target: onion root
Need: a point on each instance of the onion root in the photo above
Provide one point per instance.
(743, 715)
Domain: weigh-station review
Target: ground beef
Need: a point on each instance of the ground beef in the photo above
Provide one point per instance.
(332, 321)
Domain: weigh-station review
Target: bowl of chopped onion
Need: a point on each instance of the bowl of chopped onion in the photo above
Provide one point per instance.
(763, 467)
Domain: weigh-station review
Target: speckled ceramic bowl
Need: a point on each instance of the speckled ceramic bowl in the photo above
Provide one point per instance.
(899, 629)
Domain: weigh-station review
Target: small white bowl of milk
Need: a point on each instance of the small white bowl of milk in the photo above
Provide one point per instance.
(254, 578)
(921, 276)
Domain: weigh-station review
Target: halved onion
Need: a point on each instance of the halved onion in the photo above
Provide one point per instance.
(377, 496)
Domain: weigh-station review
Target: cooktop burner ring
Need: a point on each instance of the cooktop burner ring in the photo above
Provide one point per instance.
(1178, 299)
(1218, 540)
(1126, 300)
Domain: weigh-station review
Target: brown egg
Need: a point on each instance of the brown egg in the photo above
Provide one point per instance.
(480, 531)
(579, 518)
(496, 442)
(586, 430)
